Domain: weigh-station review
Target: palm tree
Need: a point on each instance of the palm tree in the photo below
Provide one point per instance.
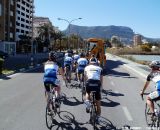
(45, 32)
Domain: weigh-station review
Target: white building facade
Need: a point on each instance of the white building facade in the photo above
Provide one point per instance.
(24, 15)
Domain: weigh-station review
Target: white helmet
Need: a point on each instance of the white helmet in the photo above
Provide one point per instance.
(154, 64)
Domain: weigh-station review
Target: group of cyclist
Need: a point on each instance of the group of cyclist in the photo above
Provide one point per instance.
(89, 68)
(93, 78)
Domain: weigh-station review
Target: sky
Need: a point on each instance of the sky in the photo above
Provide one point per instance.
(143, 16)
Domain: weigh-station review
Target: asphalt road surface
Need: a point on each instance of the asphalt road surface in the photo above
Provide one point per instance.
(22, 102)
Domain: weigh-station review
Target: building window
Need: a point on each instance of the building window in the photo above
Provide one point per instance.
(22, 25)
(11, 35)
(22, 31)
(17, 30)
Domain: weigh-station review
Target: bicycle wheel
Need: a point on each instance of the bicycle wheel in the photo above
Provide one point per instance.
(150, 122)
(49, 115)
(93, 117)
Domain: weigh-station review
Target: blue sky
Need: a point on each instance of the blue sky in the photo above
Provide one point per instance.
(143, 16)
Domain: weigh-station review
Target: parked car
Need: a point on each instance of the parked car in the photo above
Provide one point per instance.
(3, 55)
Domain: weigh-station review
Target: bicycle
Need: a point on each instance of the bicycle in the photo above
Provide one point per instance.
(153, 122)
(53, 106)
(93, 111)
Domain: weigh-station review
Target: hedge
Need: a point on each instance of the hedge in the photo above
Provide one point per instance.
(1, 65)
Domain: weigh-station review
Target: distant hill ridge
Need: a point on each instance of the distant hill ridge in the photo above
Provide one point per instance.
(106, 32)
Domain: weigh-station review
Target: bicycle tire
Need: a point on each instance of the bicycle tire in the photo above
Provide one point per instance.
(93, 116)
(93, 112)
(49, 117)
(150, 123)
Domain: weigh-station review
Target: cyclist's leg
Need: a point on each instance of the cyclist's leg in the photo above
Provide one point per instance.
(88, 90)
(150, 98)
(98, 102)
(47, 91)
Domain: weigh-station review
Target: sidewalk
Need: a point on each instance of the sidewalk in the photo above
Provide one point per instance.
(143, 70)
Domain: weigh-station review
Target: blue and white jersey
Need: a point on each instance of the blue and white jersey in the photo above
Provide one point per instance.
(50, 71)
(155, 77)
(76, 57)
(82, 63)
(68, 60)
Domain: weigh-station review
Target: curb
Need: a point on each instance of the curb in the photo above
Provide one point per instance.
(23, 70)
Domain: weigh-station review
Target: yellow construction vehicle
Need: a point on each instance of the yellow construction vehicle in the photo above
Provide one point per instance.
(96, 46)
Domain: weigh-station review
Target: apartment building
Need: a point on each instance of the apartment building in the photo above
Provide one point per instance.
(137, 39)
(24, 14)
(38, 22)
(7, 25)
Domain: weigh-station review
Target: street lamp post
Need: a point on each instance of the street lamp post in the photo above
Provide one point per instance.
(69, 22)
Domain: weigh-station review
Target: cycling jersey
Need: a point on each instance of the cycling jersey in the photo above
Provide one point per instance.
(155, 77)
(93, 72)
(50, 72)
(68, 61)
(82, 63)
(75, 57)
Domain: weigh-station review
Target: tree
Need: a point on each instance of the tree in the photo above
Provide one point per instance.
(45, 32)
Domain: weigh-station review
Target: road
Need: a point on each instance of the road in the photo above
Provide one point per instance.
(22, 102)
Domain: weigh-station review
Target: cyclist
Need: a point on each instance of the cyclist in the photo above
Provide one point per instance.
(68, 63)
(81, 64)
(50, 75)
(75, 58)
(69, 51)
(94, 80)
(155, 77)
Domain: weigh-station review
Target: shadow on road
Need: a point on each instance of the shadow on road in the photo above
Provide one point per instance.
(71, 101)
(110, 103)
(68, 122)
(111, 65)
(105, 124)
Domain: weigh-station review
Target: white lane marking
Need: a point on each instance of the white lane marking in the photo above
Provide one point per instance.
(128, 115)
(140, 73)
(112, 83)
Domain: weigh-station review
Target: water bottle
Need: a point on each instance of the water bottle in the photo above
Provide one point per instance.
(156, 112)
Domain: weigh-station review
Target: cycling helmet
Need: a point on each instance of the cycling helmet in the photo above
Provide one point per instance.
(82, 55)
(69, 55)
(52, 56)
(154, 64)
(70, 51)
(93, 60)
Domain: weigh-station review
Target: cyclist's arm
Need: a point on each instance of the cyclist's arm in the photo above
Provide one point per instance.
(145, 86)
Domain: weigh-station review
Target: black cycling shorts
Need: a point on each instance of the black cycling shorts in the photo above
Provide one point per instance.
(94, 85)
(47, 86)
(68, 66)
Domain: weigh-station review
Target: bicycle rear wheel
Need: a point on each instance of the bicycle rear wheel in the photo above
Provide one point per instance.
(150, 122)
(50, 114)
(93, 117)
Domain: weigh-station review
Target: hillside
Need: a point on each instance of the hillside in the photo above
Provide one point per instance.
(106, 32)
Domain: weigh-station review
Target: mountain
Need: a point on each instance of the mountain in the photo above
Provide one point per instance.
(106, 32)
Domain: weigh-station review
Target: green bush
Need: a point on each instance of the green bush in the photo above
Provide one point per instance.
(1, 65)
